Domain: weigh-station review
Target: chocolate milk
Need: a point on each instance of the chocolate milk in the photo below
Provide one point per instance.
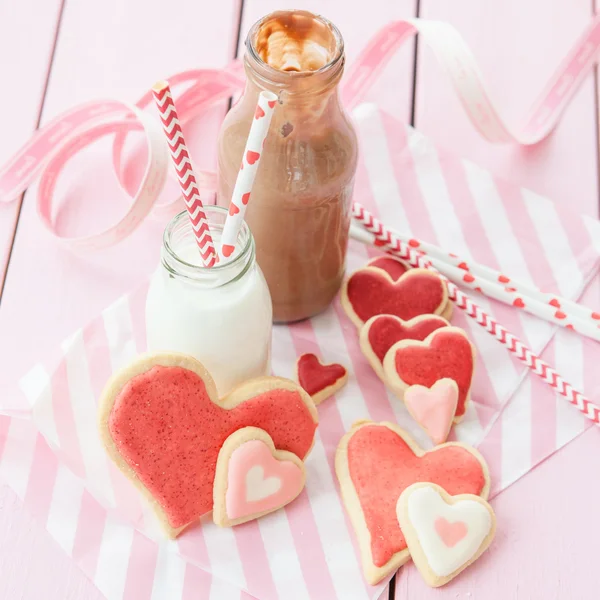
(299, 210)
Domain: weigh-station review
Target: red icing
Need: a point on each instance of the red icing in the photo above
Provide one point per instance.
(170, 432)
(382, 466)
(315, 377)
(370, 293)
(393, 267)
(386, 330)
(449, 354)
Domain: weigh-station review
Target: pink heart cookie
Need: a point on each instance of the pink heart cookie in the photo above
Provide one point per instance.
(253, 478)
(444, 533)
(433, 408)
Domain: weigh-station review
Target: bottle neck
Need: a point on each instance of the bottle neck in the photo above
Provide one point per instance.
(180, 256)
(295, 54)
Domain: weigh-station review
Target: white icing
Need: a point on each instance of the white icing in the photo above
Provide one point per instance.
(425, 506)
(259, 487)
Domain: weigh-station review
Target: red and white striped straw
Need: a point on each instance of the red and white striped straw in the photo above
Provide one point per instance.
(185, 173)
(248, 168)
(417, 258)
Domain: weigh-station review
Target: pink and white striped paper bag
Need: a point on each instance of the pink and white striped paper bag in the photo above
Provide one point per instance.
(55, 463)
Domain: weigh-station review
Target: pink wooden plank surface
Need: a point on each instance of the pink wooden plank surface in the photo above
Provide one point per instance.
(23, 85)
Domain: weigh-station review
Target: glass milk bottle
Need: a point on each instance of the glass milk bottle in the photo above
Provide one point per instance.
(221, 315)
(299, 212)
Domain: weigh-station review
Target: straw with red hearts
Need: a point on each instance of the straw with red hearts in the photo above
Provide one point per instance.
(245, 179)
(526, 297)
(416, 258)
(185, 172)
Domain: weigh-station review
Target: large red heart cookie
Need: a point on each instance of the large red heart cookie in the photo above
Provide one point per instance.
(375, 463)
(445, 353)
(381, 332)
(395, 268)
(163, 424)
(371, 291)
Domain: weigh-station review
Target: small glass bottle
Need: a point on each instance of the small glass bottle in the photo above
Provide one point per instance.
(299, 212)
(221, 315)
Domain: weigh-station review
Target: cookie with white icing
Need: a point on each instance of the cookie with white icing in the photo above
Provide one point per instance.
(445, 534)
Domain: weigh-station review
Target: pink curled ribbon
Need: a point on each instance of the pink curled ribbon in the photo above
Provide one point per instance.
(51, 147)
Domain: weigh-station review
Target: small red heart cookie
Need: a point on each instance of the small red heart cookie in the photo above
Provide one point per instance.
(381, 332)
(318, 380)
(371, 291)
(375, 463)
(163, 425)
(395, 268)
(445, 353)
(253, 478)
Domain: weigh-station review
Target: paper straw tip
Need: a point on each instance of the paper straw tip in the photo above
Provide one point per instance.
(161, 85)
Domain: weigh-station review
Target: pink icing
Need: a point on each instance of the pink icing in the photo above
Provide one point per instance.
(170, 432)
(241, 501)
(433, 408)
(450, 533)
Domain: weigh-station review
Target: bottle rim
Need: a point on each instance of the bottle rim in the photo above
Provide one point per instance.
(179, 233)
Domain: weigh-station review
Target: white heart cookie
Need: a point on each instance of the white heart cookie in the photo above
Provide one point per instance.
(444, 533)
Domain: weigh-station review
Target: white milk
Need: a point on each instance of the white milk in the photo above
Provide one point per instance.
(221, 316)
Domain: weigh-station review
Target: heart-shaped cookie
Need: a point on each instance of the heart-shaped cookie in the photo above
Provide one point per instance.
(395, 268)
(381, 332)
(433, 408)
(253, 478)
(371, 291)
(318, 380)
(162, 423)
(375, 463)
(444, 533)
(445, 353)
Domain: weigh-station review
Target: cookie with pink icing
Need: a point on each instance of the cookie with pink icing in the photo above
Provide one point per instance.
(433, 408)
(445, 534)
(163, 424)
(253, 478)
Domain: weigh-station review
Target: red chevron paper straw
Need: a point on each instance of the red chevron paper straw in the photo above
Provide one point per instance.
(247, 173)
(185, 173)
(417, 258)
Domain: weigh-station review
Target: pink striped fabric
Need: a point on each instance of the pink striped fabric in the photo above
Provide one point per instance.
(308, 551)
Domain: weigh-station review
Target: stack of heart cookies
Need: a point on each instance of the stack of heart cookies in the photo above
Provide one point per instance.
(190, 452)
(403, 319)
(403, 501)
